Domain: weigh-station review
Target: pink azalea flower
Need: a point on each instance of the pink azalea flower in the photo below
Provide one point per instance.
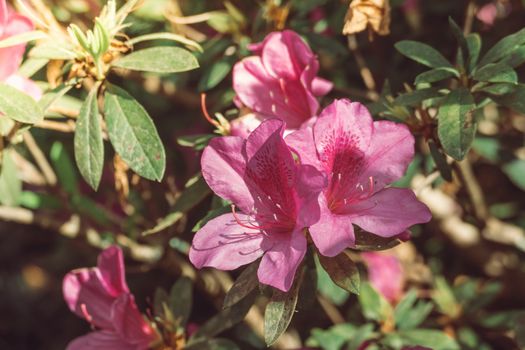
(281, 81)
(360, 158)
(12, 23)
(101, 296)
(385, 274)
(277, 198)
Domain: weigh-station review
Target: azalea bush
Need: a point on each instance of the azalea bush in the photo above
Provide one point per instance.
(288, 174)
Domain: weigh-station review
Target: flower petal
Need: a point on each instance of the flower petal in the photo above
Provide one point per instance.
(281, 259)
(224, 244)
(101, 340)
(11, 57)
(302, 143)
(385, 274)
(333, 233)
(310, 183)
(26, 85)
(389, 212)
(244, 125)
(130, 324)
(86, 295)
(390, 152)
(321, 87)
(3, 16)
(112, 270)
(286, 55)
(223, 166)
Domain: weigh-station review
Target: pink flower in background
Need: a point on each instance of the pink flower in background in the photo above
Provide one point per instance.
(12, 23)
(277, 198)
(281, 80)
(101, 296)
(360, 157)
(489, 13)
(385, 274)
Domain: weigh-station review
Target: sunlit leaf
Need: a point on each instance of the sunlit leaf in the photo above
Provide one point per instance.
(18, 106)
(160, 59)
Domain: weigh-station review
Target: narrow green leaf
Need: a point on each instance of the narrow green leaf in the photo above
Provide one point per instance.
(18, 106)
(515, 58)
(89, 145)
(367, 241)
(462, 41)
(403, 307)
(435, 339)
(280, 310)
(160, 59)
(514, 100)
(196, 190)
(496, 73)
(181, 300)
(53, 50)
(498, 89)
(440, 160)
(415, 97)
(515, 170)
(435, 75)
(244, 285)
(10, 183)
(375, 307)
(504, 47)
(343, 271)
(457, 127)
(474, 49)
(422, 53)
(64, 168)
(133, 134)
(53, 96)
(22, 38)
(215, 74)
(166, 36)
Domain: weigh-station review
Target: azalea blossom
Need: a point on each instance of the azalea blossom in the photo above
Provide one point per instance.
(385, 274)
(277, 200)
(102, 297)
(12, 23)
(280, 80)
(360, 157)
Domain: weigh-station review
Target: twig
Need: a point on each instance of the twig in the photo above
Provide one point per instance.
(366, 73)
(40, 159)
(469, 17)
(474, 190)
(331, 311)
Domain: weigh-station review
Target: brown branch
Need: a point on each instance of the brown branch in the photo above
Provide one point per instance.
(366, 73)
(40, 159)
(474, 190)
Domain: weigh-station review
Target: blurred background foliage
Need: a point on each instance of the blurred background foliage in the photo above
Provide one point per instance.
(466, 266)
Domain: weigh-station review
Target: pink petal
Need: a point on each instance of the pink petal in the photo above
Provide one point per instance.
(130, 324)
(244, 125)
(264, 94)
(385, 274)
(3, 16)
(86, 295)
(282, 258)
(389, 212)
(310, 183)
(302, 143)
(101, 340)
(270, 171)
(224, 244)
(321, 87)
(333, 233)
(390, 152)
(285, 55)
(11, 57)
(223, 167)
(26, 85)
(112, 270)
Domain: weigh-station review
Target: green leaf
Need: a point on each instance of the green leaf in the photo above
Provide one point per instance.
(414, 98)
(166, 36)
(53, 50)
(422, 53)
(160, 59)
(514, 100)
(18, 106)
(440, 160)
(362, 334)
(444, 298)
(10, 182)
(504, 47)
(215, 74)
(327, 287)
(64, 168)
(280, 310)
(496, 73)
(196, 190)
(375, 307)
(133, 134)
(89, 145)
(244, 285)
(434, 339)
(409, 314)
(435, 75)
(474, 49)
(457, 127)
(160, 300)
(22, 38)
(181, 300)
(515, 170)
(499, 89)
(334, 337)
(460, 38)
(516, 58)
(367, 241)
(343, 271)
(53, 96)
(197, 142)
